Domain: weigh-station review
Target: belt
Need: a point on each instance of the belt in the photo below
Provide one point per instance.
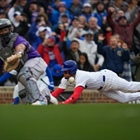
(103, 81)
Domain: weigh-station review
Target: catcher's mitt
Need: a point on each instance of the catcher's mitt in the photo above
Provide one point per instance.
(12, 62)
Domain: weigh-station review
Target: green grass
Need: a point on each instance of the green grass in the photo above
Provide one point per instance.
(70, 122)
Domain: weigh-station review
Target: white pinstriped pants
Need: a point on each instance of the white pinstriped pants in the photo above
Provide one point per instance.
(119, 89)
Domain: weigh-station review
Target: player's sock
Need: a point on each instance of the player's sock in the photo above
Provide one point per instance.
(15, 101)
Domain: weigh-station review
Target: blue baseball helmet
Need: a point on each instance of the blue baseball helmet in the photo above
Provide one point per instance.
(70, 66)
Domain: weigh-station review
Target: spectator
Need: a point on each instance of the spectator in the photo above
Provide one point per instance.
(123, 28)
(101, 13)
(64, 18)
(76, 29)
(50, 52)
(118, 14)
(75, 8)
(19, 6)
(3, 15)
(23, 26)
(107, 3)
(125, 8)
(5, 6)
(40, 35)
(55, 5)
(72, 53)
(61, 32)
(93, 26)
(94, 4)
(41, 20)
(32, 11)
(114, 56)
(62, 27)
(83, 63)
(55, 15)
(83, 22)
(87, 11)
(90, 48)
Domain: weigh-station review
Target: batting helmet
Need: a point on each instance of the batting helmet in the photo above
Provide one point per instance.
(5, 23)
(70, 66)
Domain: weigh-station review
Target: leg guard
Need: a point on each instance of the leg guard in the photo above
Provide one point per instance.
(43, 87)
(32, 91)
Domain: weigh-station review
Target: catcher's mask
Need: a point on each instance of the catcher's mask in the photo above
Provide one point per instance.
(5, 36)
(70, 66)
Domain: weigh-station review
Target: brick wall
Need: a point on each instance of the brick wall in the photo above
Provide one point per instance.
(88, 96)
(6, 94)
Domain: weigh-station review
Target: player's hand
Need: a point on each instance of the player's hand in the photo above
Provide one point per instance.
(13, 72)
(60, 103)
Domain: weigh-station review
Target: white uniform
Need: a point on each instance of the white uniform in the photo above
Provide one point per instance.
(108, 83)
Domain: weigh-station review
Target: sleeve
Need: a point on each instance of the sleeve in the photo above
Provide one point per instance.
(100, 59)
(126, 55)
(75, 96)
(49, 74)
(110, 20)
(5, 76)
(72, 33)
(137, 20)
(61, 88)
(40, 50)
(57, 92)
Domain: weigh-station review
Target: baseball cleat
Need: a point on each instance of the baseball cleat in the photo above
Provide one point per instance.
(39, 103)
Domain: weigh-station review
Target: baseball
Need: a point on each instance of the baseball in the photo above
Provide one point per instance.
(71, 79)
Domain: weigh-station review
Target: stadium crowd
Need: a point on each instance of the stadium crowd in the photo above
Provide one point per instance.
(97, 34)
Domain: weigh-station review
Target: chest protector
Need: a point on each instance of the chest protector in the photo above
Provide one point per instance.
(7, 51)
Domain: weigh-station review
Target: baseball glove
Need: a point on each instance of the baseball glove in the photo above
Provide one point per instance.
(12, 62)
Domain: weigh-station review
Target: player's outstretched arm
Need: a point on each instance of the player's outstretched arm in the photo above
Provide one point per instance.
(75, 96)
(49, 74)
(7, 75)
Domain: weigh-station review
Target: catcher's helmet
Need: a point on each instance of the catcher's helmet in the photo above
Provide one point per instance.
(5, 23)
(70, 66)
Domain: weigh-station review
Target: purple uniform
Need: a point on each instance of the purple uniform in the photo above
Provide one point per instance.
(32, 52)
(35, 63)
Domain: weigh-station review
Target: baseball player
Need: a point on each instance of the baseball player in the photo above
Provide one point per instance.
(44, 84)
(106, 81)
(30, 64)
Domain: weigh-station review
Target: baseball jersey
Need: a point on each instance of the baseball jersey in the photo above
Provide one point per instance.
(32, 53)
(89, 80)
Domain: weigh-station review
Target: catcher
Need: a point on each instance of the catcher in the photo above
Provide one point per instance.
(16, 53)
(45, 84)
